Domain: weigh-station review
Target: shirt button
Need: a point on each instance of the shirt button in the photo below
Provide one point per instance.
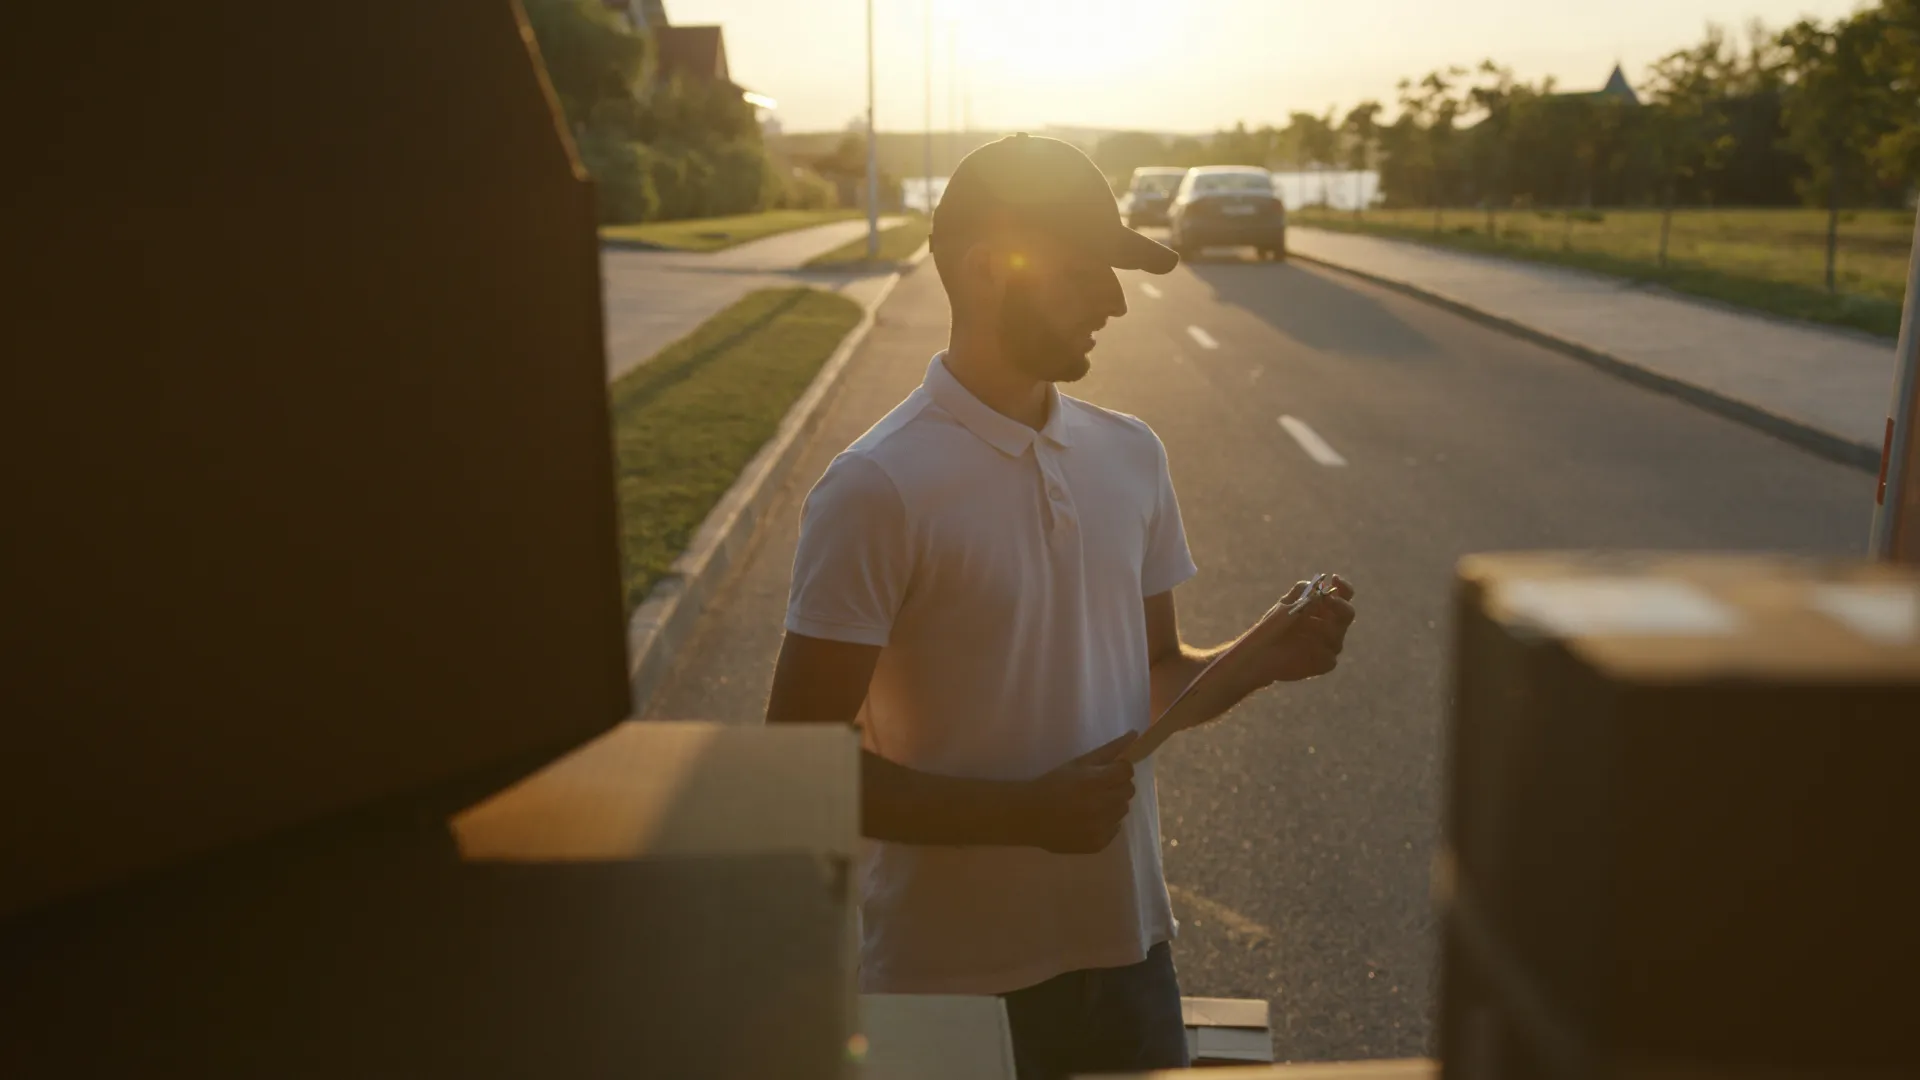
(1053, 492)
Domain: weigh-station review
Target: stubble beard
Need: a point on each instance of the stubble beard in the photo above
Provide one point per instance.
(1033, 346)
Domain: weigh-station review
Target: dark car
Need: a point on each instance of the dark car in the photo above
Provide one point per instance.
(1148, 193)
(1228, 206)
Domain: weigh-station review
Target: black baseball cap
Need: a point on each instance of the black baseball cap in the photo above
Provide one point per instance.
(1031, 181)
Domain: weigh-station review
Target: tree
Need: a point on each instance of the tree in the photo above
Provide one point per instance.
(596, 64)
(1362, 129)
(1240, 146)
(1319, 145)
(1435, 110)
(1894, 60)
(1690, 126)
(1497, 98)
(1831, 114)
(1186, 151)
(1118, 155)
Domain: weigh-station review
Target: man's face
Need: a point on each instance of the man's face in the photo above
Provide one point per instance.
(1056, 298)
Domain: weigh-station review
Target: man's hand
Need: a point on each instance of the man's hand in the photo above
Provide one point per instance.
(1311, 645)
(1078, 808)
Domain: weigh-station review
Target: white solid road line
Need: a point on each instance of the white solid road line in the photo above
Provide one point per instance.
(1310, 441)
(1150, 289)
(1205, 339)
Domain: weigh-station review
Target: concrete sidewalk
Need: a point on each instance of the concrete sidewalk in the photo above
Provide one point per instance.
(654, 298)
(1826, 390)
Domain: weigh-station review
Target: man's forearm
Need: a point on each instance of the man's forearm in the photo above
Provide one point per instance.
(1172, 674)
(908, 806)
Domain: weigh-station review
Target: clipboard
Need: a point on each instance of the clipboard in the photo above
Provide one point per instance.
(1200, 700)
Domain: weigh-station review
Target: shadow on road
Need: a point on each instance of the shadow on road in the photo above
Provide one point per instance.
(1318, 311)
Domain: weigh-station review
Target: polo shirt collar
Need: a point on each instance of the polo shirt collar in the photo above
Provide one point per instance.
(1003, 433)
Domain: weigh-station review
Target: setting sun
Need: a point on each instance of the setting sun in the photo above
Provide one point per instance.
(1074, 43)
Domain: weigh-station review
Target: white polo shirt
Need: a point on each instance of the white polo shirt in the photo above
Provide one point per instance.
(1002, 571)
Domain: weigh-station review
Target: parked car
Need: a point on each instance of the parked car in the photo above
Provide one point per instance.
(1149, 191)
(1228, 206)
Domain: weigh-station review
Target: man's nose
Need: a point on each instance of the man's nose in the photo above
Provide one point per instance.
(1116, 297)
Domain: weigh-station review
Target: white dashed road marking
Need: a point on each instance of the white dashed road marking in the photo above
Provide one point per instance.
(1150, 289)
(1310, 441)
(1202, 337)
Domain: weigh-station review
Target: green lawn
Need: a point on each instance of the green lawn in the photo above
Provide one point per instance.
(896, 243)
(686, 422)
(712, 234)
(1772, 260)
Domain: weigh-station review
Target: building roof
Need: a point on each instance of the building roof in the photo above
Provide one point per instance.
(1617, 87)
(697, 53)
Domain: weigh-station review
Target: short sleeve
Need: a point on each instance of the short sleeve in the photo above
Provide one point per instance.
(851, 570)
(1167, 562)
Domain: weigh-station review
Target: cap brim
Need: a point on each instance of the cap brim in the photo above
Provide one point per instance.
(1129, 250)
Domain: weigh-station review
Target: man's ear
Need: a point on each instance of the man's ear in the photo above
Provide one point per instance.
(986, 269)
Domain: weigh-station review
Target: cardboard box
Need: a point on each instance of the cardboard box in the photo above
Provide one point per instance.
(1404, 1069)
(670, 900)
(935, 1037)
(1676, 784)
(1227, 1031)
(670, 787)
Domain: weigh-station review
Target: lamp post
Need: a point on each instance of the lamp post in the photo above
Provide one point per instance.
(873, 154)
(1896, 510)
(926, 165)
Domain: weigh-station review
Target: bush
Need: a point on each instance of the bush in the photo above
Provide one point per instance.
(683, 177)
(743, 180)
(625, 189)
(668, 181)
(808, 190)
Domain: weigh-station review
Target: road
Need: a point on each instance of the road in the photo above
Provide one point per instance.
(1316, 422)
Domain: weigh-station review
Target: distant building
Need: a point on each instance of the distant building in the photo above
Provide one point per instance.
(1617, 87)
(697, 54)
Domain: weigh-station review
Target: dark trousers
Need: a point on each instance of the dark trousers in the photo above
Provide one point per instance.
(1124, 1019)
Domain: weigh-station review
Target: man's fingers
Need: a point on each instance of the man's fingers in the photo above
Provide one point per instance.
(1341, 587)
(1331, 611)
(1103, 754)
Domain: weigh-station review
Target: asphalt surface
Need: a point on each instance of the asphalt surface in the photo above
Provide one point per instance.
(1300, 830)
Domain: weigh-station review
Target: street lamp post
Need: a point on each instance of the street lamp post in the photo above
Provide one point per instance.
(1896, 512)
(926, 165)
(873, 154)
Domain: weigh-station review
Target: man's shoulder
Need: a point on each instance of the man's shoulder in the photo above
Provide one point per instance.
(869, 469)
(893, 435)
(1112, 426)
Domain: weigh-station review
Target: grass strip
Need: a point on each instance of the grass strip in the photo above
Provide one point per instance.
(1788, 299)
(896, 243)
(712, 234)
(687, 421)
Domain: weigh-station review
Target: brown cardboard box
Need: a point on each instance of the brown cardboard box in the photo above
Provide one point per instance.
(935, 1037)
(1227, 1031)
(670, 787)
(1678, 790)
(1406, 1069)
(670, 900)
(309, 491)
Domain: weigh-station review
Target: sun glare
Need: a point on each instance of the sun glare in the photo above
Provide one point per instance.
(1064, 53)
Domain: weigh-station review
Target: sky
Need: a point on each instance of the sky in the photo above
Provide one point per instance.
(1179, 65)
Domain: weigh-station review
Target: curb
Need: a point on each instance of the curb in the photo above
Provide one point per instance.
(1798, 432)
(633, 245)
(660, 627)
